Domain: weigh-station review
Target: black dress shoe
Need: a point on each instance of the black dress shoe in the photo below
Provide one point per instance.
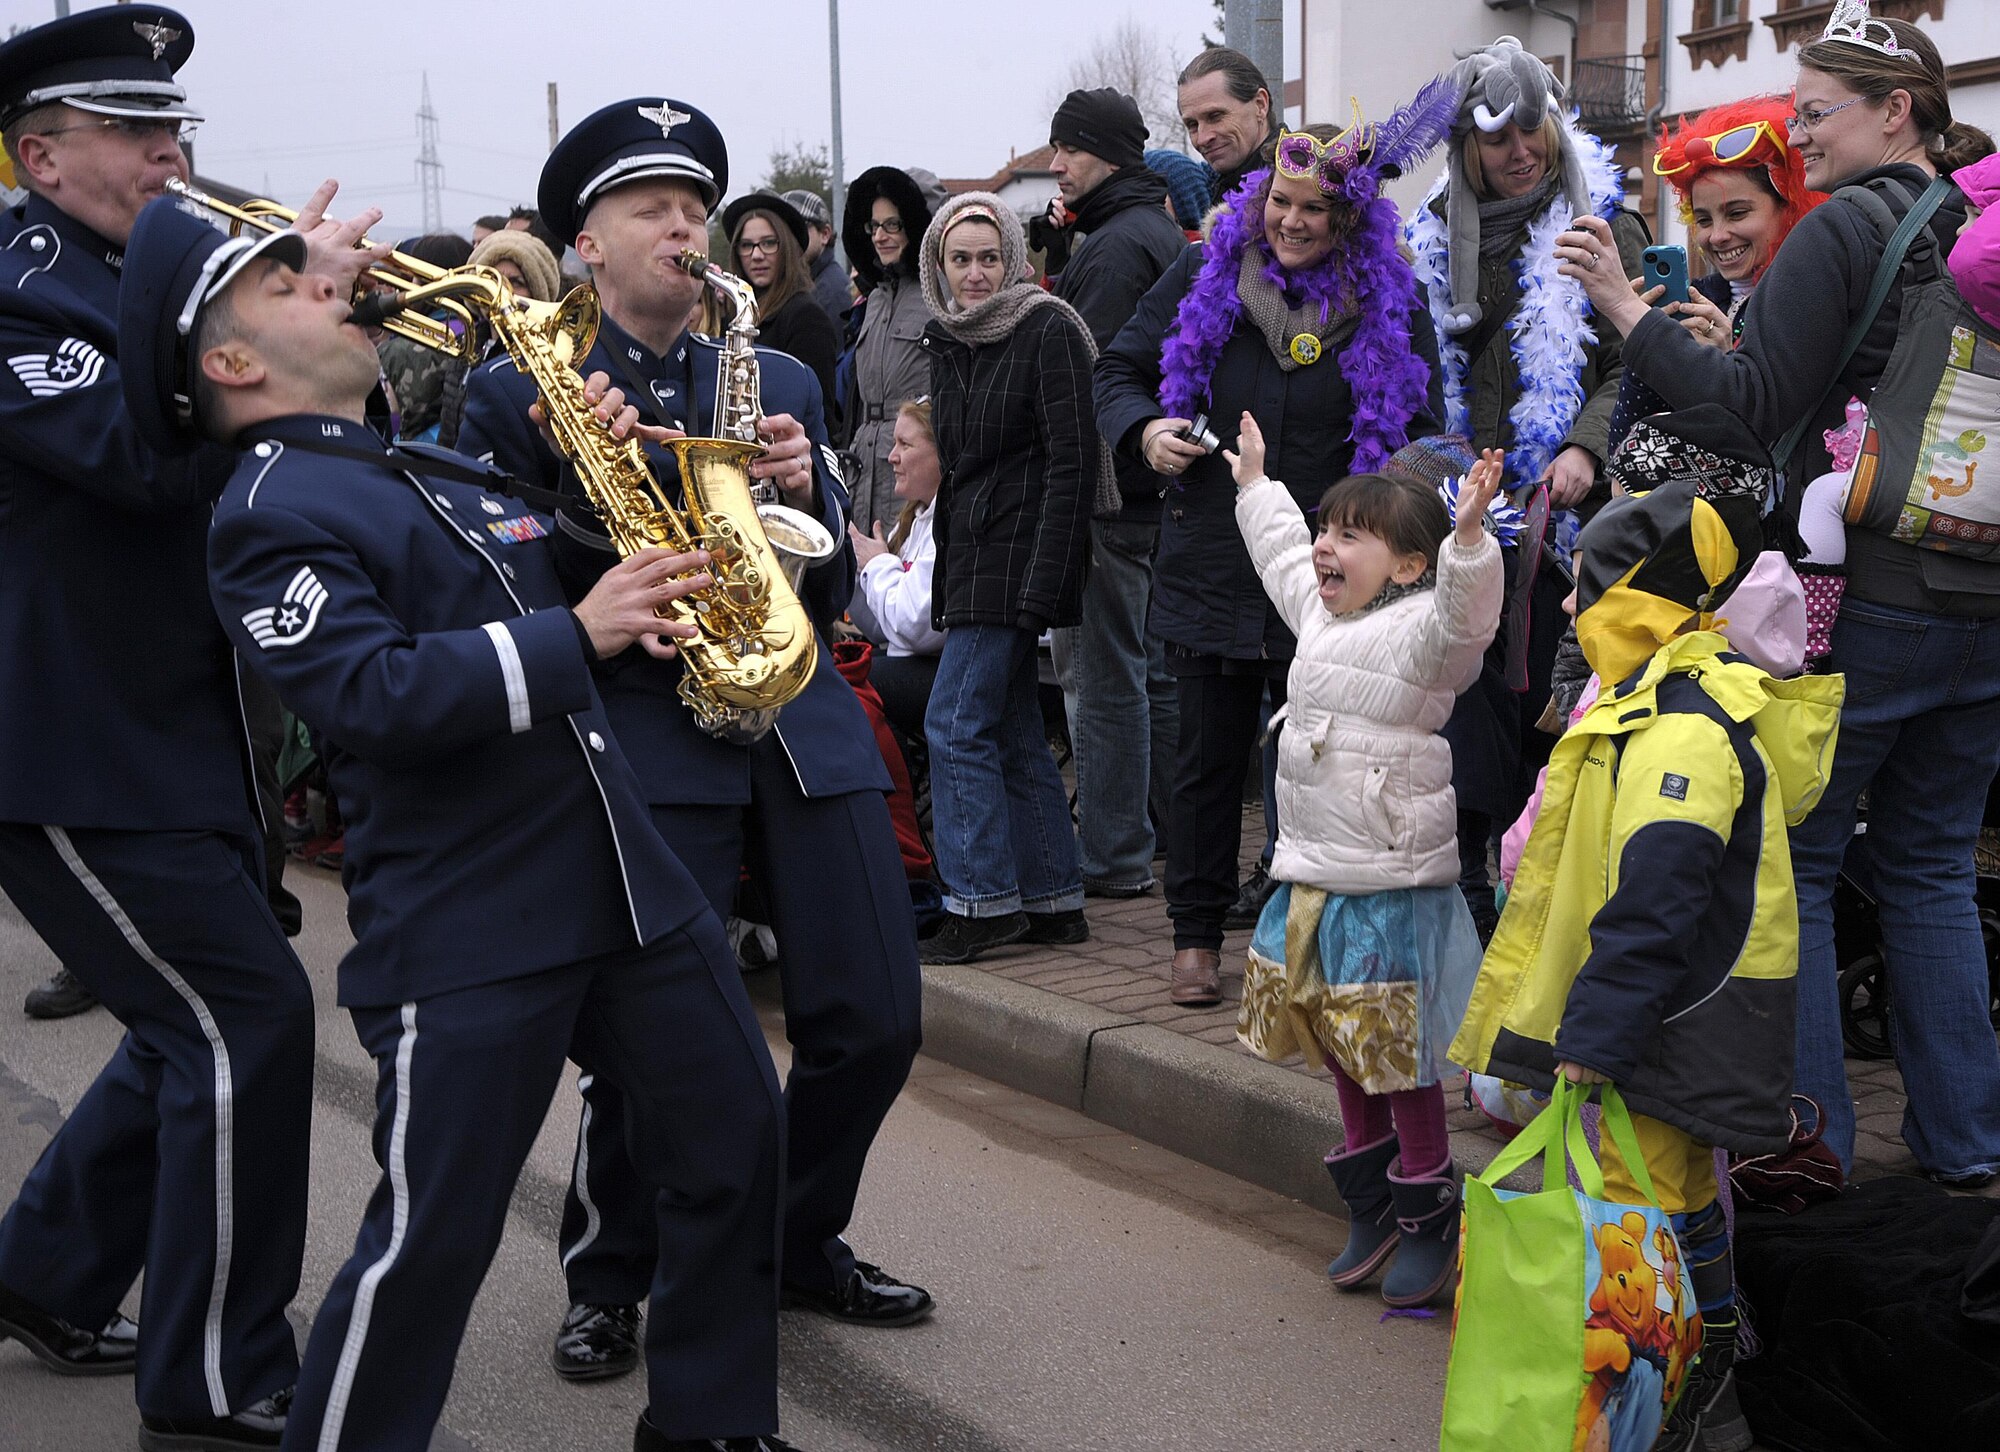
(962, 939)
(65, 1349)
(261, 1424)
(1067, 926)
(61, 997)
(597, 1342)
(649, 1438)
(871, 1297)
(1249, 904)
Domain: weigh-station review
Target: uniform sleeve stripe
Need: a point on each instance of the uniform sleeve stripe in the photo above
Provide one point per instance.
(518, 717)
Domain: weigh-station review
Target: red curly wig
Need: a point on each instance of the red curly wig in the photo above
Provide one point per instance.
(1785, 172)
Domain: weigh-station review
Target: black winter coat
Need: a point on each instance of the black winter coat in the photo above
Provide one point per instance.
(1019, 455)
(802, 329)
(1130, 244)
(1206, 595)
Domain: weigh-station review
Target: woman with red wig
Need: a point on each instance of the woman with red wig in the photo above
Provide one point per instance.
(1742, 188)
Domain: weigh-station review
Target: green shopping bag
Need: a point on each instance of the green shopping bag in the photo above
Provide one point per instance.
(1576, 1322)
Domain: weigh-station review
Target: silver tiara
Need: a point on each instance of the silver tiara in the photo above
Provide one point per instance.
(1851, 24)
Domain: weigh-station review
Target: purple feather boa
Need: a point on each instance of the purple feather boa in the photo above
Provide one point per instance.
(1367, 275)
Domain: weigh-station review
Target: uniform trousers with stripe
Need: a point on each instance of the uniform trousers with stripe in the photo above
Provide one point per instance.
(464, 1081)
(847, 961)
(187, 1157)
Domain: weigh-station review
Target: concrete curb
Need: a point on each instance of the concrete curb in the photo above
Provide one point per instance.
(1233, 1113)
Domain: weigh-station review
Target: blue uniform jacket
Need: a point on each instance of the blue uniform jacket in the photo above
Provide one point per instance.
(494, 828)
(824, 733)
(118, 701)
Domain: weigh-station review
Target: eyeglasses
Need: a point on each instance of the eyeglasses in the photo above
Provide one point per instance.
(891, 228)
(135, 128)
(762, 244)
(1739, 146)
(1810, 120)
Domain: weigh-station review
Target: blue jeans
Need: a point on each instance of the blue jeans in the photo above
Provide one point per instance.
(1920, 732)
(1123, 709)
(998, 813)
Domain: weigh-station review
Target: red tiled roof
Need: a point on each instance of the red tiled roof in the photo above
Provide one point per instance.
(1035, 162)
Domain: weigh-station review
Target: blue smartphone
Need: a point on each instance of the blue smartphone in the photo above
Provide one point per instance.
(1666, 265)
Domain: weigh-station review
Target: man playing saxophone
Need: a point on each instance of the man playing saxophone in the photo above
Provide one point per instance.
(511, 903)
(803, 807)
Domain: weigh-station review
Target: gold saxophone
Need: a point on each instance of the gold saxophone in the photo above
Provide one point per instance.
(755, 648)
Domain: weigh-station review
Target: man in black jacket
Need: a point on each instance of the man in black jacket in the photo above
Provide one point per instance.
(1121, 700)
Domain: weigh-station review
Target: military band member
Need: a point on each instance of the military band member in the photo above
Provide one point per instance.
(129, 838)
(803, 807)
(510, 900)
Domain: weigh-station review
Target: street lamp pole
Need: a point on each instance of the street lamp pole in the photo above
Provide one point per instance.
(839, 198)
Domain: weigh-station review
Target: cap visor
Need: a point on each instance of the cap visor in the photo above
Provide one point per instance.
(137, 108)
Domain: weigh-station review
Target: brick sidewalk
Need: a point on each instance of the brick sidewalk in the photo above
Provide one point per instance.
(1124, 969)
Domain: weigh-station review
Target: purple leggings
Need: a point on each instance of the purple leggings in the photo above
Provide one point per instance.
(1414, 1116)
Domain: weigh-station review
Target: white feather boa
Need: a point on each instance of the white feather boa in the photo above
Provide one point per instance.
(1550, 329)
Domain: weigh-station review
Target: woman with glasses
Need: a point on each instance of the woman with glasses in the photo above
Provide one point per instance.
(1301, 311)
(767, 247)
(888, 211)
(1918, 636)
(1742, 188)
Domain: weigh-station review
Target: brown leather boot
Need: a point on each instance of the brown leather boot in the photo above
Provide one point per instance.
(1197, 981)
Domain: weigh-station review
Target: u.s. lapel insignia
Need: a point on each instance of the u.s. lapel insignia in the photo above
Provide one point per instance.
(159, 37)
(665, 117)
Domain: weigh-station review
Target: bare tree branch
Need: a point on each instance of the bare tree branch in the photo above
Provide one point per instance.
(1138, 61)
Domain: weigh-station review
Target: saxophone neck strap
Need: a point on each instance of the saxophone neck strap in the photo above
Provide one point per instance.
(345, 439)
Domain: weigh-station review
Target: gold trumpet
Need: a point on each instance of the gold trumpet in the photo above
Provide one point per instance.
(399, 273)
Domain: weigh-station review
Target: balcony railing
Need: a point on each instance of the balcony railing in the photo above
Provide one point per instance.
(1611, 91)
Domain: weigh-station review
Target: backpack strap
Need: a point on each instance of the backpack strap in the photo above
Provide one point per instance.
(1878, 211)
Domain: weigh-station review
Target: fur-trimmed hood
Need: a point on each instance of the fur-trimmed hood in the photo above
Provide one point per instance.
(917, 194)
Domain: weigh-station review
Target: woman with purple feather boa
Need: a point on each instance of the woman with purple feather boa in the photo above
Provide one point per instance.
(1301, 311)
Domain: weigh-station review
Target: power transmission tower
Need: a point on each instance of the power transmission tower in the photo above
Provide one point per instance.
(430, 171)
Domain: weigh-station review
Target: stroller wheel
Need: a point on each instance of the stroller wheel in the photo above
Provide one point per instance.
(1864, 1008)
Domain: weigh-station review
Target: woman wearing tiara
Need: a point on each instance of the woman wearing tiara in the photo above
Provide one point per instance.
(1918, 636)
(1301, 311)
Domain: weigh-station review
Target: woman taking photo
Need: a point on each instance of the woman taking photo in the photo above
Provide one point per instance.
(767, 243)
(1010, 398)
(1302, 312)
(888, 211)
(892, 602)
(1742, 188)
(1918, 636)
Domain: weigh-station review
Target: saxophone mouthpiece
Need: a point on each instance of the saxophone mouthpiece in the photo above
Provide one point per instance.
(694, 262)
(376, 309)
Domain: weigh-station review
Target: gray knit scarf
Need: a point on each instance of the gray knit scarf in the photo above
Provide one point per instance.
(995, 319)
(1264, 304)
(1504, 219)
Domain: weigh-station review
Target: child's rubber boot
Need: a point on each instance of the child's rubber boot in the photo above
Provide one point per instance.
(1708, 1417)
(1362, 1177)
(1427, 1235)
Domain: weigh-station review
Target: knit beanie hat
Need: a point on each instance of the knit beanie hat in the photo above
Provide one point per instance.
(527, 253)
(1433, 460)
(1190, 183)
(1656, 564)
(1103, 122)
(1498, 84)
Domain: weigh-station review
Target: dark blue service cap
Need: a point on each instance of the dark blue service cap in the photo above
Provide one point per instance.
(117, 60)
(176, 262)
(627, 141)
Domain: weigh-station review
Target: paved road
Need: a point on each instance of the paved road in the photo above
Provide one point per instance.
(1096, 1292)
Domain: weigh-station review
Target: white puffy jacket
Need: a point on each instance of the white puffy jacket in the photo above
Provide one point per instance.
(1364, 780)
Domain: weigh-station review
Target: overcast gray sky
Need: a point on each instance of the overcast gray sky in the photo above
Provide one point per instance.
(295, 92)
